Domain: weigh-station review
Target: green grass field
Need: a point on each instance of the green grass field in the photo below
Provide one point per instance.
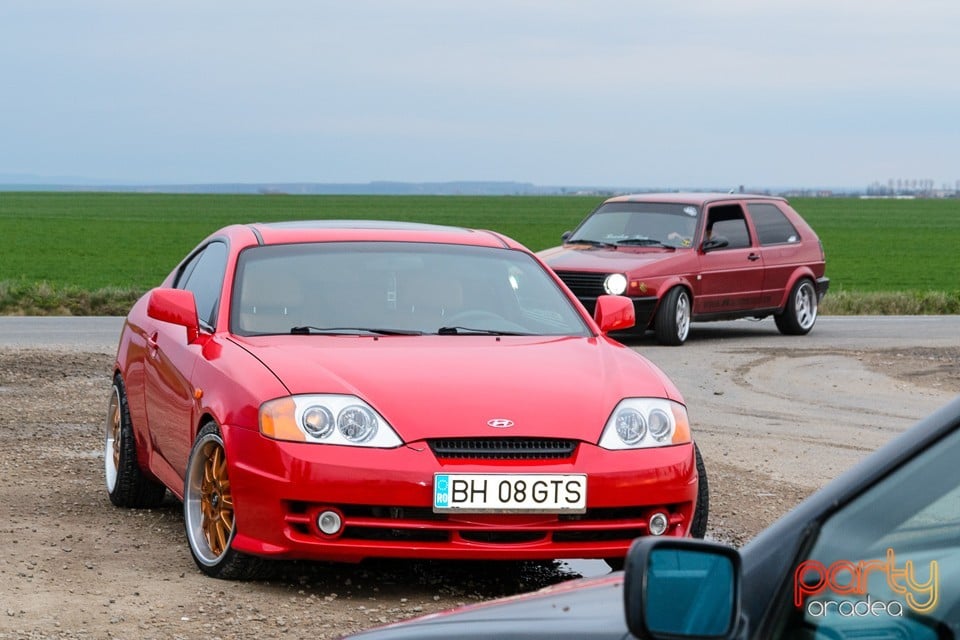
(84, 245)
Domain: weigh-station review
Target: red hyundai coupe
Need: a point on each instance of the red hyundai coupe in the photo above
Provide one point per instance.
(338, 390)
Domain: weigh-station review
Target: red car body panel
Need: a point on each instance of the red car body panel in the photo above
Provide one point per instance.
(425, 386)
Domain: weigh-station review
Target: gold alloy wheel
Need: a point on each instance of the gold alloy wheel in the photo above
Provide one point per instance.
(216, 501)
(115, 426)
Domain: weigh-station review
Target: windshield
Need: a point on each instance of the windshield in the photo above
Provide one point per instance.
(890, 560)
(397, 288)
(639, 224)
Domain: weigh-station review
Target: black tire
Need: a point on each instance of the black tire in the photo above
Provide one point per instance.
(800, 312)
(208, 512)
(672, 322)
(698, 528)
(127, 484)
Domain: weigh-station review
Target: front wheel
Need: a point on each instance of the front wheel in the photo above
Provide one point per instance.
(672, 322)
(800, 313)
(698, 528)
(208, 511)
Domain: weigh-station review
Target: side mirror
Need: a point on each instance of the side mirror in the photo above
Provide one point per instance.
(613, 313)
(717, 242)
(176, 306)
(681, 588)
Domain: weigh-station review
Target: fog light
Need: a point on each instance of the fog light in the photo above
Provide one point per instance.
(329, 522)
(657, 524)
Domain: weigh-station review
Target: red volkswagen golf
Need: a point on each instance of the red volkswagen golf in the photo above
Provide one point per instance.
(689, 257)
(340, 390)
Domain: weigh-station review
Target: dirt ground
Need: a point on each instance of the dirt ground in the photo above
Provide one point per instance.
(73, 566)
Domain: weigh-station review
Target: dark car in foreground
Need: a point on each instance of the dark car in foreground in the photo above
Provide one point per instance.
(691, 257)
(873, 555)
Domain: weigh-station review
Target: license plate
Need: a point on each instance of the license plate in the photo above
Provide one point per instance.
(510, 493)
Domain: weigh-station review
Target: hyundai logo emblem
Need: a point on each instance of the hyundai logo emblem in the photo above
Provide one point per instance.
(500, 423)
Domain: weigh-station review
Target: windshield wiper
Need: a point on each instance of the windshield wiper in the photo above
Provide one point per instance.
(464, 331)
(644, 242)
(354, 331)
(592, 243)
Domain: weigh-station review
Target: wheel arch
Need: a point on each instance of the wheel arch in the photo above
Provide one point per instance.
(141, 435)
(798, 274)
(667, 285)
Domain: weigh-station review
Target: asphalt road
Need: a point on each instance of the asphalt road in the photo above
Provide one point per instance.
(848, 332)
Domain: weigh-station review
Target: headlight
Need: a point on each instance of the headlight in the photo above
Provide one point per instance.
(326, 419)
(638, 423)
(615, 284)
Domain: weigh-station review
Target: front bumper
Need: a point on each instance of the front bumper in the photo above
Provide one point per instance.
(385, 500)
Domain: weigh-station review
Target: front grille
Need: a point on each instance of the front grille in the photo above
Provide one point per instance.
(503, 448)
(584, 284)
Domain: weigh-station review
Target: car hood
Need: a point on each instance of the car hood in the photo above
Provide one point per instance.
(587, 258)
(433, 386)
(585, 608)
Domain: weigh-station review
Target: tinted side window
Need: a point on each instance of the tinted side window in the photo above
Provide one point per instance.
(728, 221)
(772, 225)
(203, 275)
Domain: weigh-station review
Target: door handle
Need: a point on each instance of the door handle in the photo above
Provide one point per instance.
(753, 257)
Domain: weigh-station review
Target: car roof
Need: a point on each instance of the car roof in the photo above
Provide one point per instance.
(694, 197)
(296, 231)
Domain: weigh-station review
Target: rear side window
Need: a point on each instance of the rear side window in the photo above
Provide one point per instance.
(772, 225)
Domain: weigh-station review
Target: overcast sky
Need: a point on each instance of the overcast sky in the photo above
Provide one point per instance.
(683, 93)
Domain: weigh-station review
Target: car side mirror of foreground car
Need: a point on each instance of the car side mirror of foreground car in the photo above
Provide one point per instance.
(682, 588)
(176, 306)
(613, 313)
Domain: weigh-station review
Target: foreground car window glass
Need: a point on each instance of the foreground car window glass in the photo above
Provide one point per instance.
(640, 223)
(889, 562)
(387, 287)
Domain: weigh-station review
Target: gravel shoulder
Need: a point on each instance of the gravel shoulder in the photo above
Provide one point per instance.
(773, 426)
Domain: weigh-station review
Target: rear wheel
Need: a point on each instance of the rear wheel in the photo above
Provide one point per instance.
(800, 313)
(672, 322)
(208, 512)
(127, 485)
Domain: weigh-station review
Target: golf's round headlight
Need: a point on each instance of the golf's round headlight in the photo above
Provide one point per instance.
(631, 427)
(637, 423)
(318, 421)
(615, 284)
(357, 424)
